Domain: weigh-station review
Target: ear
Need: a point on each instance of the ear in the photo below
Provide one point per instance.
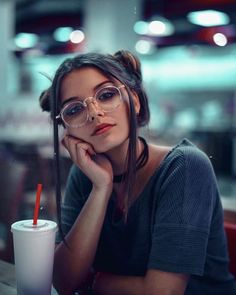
(136, 102)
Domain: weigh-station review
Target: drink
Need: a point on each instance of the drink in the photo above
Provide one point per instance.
(34, 254)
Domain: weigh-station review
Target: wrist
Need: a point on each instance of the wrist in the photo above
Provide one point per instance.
(103, 192)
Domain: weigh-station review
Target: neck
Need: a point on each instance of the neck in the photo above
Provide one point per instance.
(141, 160)
(117, 157)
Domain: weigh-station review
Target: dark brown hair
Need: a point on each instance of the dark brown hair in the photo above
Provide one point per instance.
(122, 66)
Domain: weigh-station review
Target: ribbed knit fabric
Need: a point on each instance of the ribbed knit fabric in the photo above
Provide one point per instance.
(175, 225)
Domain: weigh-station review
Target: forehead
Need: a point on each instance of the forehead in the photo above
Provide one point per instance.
(81, 82)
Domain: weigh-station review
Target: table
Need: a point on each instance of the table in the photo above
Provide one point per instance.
(7, 279)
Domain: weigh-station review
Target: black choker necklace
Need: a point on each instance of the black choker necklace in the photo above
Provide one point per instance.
(141, 161)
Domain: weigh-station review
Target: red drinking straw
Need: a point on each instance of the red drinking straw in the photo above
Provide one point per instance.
(37, 203)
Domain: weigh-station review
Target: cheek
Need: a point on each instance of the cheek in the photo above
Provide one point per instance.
(123, 121)
(78, 133)
(124, 116)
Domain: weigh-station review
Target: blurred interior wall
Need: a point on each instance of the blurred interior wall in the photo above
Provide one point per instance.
(109, 27)
(6, 33)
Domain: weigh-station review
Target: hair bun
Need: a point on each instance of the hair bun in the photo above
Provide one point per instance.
(130, 62)
(44, 100)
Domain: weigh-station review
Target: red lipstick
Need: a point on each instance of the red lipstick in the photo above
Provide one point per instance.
(102, 128)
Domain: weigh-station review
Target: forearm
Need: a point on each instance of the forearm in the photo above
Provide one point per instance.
(72, 265)
(155, 282)
(109, 284)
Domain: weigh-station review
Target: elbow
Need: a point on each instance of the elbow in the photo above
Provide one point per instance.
(165, 283)
(65, 281)
(63, 287)
(163, 291)
(62, 281)
(60, 285)
(68, 276)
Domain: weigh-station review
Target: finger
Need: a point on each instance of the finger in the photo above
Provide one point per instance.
(84, 149)
(63, 143)
(72, 137)
(83, 144)
(91, 150)
(78, 150)
(64, 140)
(71, 147)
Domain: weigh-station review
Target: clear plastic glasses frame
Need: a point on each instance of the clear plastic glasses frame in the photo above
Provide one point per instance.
(75, 114)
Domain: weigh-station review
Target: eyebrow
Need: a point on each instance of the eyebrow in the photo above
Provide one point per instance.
(94, 90)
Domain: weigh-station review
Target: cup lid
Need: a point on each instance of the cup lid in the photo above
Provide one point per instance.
(28, 226)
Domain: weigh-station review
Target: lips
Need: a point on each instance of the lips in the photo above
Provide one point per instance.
(102, 128)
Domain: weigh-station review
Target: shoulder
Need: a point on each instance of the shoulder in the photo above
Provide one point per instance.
(187, 185)
(188, 155)
(184, 165)
(176, 162)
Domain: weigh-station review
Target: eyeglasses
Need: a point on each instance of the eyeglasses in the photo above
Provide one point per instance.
(75, 114)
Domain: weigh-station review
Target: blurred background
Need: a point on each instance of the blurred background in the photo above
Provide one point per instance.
(188, 53)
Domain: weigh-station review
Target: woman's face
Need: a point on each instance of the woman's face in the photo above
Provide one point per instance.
(103, 130)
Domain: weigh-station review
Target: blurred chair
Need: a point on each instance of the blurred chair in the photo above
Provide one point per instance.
(12, 179)
(230, 229)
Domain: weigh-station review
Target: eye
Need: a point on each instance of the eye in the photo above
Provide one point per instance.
(74, 109)
(107, 94)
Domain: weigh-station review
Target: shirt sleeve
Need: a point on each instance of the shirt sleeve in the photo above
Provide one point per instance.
(183, 214)
(76, 193)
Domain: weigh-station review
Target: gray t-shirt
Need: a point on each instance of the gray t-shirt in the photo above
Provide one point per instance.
(175, 225)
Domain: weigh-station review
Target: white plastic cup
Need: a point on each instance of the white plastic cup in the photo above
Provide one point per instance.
(34, 255)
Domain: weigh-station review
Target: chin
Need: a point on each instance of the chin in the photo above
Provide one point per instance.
(101, 148)
(108, 144)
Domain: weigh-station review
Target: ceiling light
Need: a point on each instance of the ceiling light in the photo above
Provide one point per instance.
(208, 18)
(160, 26)
(144, 47)
(157, 27)
(77, 36)
(141, 27)
(62, 34)
(220, 39)
(26, 40)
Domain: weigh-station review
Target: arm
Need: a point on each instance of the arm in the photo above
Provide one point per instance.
(72, 265)
(155, 282)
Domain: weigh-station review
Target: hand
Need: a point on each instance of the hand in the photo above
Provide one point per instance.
(96, 166)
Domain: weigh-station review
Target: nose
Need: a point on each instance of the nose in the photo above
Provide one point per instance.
(94, 110)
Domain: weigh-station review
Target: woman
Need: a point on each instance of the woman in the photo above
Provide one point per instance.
(146, 219)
